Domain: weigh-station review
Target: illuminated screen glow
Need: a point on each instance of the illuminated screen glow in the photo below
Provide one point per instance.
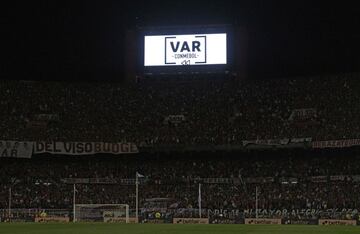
(190, 49)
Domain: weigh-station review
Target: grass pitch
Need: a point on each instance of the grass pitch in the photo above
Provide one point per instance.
(95, 228)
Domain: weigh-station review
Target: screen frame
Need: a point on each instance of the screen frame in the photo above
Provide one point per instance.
(151, 41)
(183, 30)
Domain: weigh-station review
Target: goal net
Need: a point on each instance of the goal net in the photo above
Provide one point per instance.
(108, 213)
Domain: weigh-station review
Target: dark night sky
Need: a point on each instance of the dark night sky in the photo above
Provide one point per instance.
(84, 39)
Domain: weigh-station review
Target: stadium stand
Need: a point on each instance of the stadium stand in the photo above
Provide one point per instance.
(217, 112)
(160, 117)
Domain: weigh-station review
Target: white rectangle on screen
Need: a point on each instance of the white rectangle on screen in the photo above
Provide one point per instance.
(190, 49)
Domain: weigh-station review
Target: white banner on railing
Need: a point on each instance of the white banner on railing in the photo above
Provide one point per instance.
(302, 114)
(336, 143)
(16, 149)
(174, 118)
(277, 142)
(84, 148)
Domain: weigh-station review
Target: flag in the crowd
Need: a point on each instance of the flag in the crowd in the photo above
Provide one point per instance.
(138, 175)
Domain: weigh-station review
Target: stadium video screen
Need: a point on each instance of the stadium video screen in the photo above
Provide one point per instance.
(190, 49)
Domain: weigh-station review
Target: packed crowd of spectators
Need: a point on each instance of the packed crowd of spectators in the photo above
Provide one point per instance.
(285, 179)
(216, 111)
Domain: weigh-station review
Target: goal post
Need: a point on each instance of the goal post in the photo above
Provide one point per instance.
(108, 213)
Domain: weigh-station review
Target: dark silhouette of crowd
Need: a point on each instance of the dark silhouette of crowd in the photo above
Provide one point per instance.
(216, 112)
(285, 179)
